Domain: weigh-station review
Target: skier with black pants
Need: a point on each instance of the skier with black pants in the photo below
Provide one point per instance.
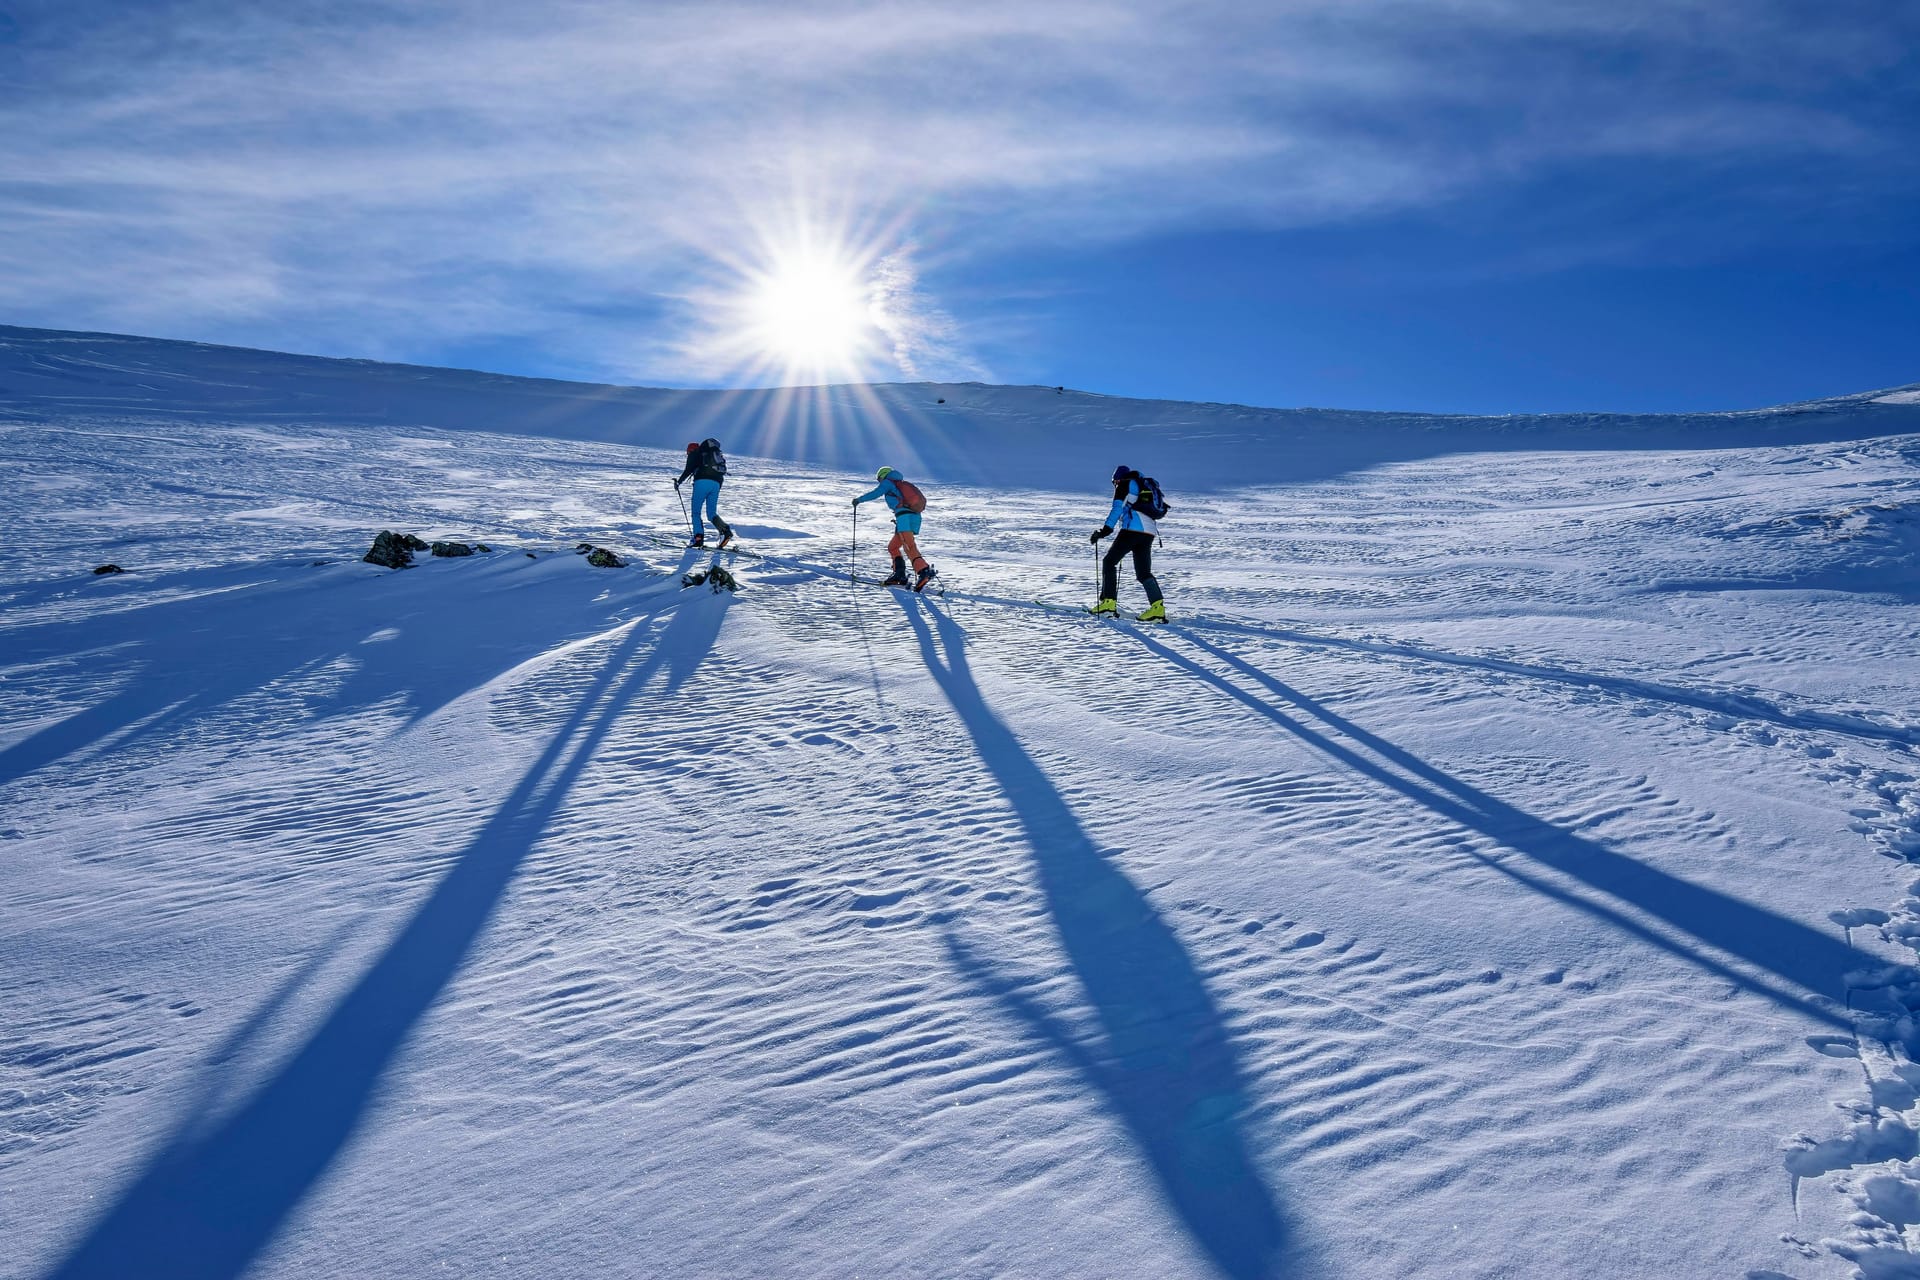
(708, 467)
(1136, 534)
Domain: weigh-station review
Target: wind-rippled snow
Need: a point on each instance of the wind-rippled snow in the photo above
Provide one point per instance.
(1500, 868)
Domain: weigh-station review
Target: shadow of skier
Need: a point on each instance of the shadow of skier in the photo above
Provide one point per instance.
(1744, 703)
(1812, 963)
(207, 1204)
(1166, 1064)
(192, 660)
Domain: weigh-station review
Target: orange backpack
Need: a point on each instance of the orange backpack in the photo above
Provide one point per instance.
(911, 499)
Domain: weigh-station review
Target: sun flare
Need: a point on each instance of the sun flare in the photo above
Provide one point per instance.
(813, 298)
(812, 314)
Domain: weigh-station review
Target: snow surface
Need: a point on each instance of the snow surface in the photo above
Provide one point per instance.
(1501, 868)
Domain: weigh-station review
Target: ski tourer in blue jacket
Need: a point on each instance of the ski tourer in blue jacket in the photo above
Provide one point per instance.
(906, 527)
(1137, 531)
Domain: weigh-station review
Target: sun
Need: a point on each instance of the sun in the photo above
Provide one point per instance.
(799, 295)
(812, 313)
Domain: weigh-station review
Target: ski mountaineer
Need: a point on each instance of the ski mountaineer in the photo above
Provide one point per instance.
(904, 499)
(708, 467)
(1137, 532)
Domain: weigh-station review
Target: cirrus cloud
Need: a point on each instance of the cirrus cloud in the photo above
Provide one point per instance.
(394, 180)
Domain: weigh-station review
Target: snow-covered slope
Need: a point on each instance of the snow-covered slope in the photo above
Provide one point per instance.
(1500, 868)
(1003, 436)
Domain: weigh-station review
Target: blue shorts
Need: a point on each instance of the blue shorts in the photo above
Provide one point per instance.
(907, 522)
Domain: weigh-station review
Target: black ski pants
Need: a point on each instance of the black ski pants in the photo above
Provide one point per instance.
(1140, 547)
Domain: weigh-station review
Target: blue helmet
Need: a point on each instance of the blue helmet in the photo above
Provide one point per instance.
(1121, 472)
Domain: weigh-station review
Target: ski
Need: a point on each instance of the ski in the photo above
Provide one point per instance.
(1081, 611)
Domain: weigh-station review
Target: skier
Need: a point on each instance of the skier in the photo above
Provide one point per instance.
(708, 467)
(904, 498)
(1137, 532)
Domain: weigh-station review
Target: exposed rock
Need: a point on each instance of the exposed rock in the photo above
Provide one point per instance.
(716, 578)
(109, 568)
(481, 546)
(452, 549)
(392, 550)
(581, 548)
(601, 558)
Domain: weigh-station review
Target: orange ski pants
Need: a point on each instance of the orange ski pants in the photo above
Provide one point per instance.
(903, 544)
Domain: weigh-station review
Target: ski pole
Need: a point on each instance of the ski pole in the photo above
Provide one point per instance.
(684, 514)
(1096, 572)
(853, 552)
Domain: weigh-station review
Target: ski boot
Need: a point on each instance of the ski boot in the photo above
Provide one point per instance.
(699, 540)
(922, 578)
(1155, 612)
(1106, 608)
(898, 578)
(726, 540)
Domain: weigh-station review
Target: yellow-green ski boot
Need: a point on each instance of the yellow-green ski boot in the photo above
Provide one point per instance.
(1109, 607)
(1155, 612)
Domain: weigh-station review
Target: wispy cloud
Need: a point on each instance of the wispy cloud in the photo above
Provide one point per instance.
(387, 177)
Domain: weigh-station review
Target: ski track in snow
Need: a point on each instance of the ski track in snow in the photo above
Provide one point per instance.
(1502, 874)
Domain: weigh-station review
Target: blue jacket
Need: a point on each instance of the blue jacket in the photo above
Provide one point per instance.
(885, 489)
(1123, 516)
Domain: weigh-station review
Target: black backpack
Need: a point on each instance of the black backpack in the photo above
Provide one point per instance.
(1151, 503)
(711, 458)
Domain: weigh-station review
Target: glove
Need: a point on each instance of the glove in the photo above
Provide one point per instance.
(677, 480)
(1100, 533)
(856, 502)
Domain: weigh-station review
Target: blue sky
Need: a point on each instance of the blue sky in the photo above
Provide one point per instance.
(1477, 205)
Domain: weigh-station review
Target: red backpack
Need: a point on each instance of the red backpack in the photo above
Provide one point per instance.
(911, 499)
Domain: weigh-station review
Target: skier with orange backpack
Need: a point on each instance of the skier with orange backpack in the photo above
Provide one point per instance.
(904, 498)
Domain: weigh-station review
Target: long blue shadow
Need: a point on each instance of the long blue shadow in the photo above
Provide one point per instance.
(191, 658)
(1167, 1064)
(1813, 965)
(1745, 705)
(208, 1204)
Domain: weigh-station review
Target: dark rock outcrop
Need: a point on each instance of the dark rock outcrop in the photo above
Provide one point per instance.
(716, 579)
(392, 550)
(452, 549)
(108, 568)
(601, 558)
